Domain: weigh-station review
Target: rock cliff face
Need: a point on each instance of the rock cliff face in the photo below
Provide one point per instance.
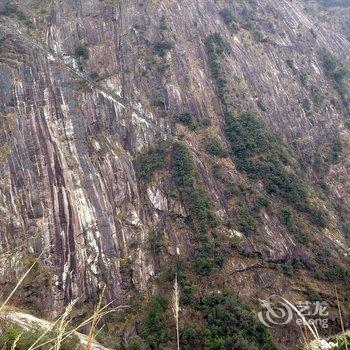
(87, 87)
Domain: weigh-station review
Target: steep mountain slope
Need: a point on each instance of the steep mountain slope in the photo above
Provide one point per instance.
(132, 146)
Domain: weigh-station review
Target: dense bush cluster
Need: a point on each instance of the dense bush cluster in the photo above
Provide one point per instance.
(209, 254)
(136, 343)
(287, 218)
(160, 48)
(229, 19)
(231, 325)
(189, 338)
(335, 151)
(154, 328)
(195, 198)
(10, 9)
(201, 216)
(345, 228)
(338, 72)
(186, 119)
(213, 146)
(246, 220)
(216, 47)
(228, 324)
(81, 51)
(263, 156)
(332, 271)
(151, 161)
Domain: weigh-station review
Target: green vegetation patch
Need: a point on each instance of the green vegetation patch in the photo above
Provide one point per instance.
(195, 198)
(9, 9)
(155, 158)
(213, 146)
(263, 156)
(335, 151)
(216, 47)
(161, 48)
(232, 325)
(82, 51)
(229, 19)
(208, 252)
(154, 328)
(339, 73)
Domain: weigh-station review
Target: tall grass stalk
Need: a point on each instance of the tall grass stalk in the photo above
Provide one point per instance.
(13, 347)
(176, 309)
(73, 331)
(312, 327)
(341, 320)
(96, 318)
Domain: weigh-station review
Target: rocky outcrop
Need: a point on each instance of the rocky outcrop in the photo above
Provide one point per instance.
(30, 323)
(87, 86)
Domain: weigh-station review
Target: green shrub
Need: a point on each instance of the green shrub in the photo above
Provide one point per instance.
(189, 337)
(9, 9)
(94, 76)
(151, 161)
(287, 219)
(246, 220)
(136, 343)
(213, 146)
(159, 101)
(261, 202)
(332, 271)
(188, 288)
(154, 327)
(81, 51)
(342, 341)
(263, 156)
(339, 73)
(200, 208)
(229, 19)
(163, 24)
(216, 47)
(231, 325)
(303, 77)
(335, 151)
(155, 242)
(345, 228)
(184, 171)
(306, 105)
(261, 105)
(318, 97)
(186, 119)
(160, 48)
(215, 44)
(195, 197)
(208, 255)
(312, 294)
(317, 216)
(207, 251)
(259, 36)
(290, 63)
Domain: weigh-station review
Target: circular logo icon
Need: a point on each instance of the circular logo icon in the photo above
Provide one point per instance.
(275, 312)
